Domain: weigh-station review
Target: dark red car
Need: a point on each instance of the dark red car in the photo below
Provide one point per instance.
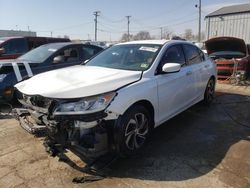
(230, 54)
(13, 47)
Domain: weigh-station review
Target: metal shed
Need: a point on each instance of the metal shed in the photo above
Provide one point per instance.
(233, 21)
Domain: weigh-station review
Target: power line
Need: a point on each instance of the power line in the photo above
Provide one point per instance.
(163, 26)
(64, 28)
(167, 11)
(110, 20)
(188, 21)
(109, 27)
(72, 26)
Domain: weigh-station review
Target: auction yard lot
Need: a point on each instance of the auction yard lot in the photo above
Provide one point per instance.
(201, 147)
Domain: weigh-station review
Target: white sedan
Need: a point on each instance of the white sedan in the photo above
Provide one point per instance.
(115, 99)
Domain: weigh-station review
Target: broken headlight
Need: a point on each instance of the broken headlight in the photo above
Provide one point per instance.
(86, 105)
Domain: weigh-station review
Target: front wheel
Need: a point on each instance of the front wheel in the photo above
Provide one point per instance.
(132, 130)
(209, 92)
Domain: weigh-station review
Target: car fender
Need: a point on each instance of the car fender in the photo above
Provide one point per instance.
(145, 89)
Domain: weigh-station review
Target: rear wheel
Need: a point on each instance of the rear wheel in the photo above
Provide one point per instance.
(210, 92)
(133, 130)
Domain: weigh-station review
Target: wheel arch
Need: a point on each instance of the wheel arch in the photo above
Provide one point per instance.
(212, 77)
(148, 105)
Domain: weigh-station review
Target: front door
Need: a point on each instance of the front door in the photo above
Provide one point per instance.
(175, 90)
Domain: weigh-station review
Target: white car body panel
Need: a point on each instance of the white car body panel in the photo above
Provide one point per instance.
(181, 94)
(129, 95)
(77, 82)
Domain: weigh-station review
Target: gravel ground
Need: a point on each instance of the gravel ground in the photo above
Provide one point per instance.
(201, 147)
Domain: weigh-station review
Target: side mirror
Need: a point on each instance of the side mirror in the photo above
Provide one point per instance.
(58, 59)
(171, 67)
(2, 51)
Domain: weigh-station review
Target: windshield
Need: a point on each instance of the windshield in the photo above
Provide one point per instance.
(39, 54)
(137, 57)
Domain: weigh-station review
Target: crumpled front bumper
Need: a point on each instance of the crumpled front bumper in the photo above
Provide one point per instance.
(55, 131)
(26, 120)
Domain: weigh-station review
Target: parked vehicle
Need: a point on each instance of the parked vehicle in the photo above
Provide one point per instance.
(116, 99)
(229, 54)
(13, 47)
(44, 58)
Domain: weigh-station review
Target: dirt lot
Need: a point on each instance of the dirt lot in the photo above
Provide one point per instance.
(202, 147)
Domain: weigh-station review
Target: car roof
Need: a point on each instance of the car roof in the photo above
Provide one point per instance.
(157, 42)
(160, 42)
(63, 44)
(60, 44)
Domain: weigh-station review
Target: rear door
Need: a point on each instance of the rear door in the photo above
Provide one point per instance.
(196, 61)
(175, 90)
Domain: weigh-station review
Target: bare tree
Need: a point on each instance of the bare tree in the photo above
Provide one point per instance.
(66, 36)
(125, 37)
(203, 36)
(188, 35)
(142, 35)
(167, 34)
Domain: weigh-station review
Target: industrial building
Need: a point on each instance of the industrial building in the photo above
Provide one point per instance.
(231, 21)
(11, 33)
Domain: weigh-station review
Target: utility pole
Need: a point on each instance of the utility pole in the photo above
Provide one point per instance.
(96, 14)
(199, 20)
(161, 32)
(199, 29)
(128, 17)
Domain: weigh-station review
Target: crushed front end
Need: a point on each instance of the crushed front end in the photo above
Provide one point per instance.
(80, 125)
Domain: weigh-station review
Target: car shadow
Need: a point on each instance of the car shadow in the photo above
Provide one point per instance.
(191, 144)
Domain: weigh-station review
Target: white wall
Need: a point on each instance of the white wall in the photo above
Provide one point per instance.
(235, 25)
(10, 33)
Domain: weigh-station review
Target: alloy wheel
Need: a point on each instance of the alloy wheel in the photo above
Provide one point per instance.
(210, 91)
(136, 131)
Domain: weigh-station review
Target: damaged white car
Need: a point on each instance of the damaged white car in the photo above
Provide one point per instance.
(113, 101)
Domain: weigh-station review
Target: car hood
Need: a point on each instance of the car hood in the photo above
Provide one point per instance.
(77, 81)
(219, 44)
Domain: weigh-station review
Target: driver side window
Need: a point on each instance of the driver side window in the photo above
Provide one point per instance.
(174, 54)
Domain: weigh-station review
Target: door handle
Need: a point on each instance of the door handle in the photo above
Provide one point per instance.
(189, 73)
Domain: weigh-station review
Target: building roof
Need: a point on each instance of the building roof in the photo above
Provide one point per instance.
(231, 10)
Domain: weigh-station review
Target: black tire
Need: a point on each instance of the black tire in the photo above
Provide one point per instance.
(132, 130)
(209, 92)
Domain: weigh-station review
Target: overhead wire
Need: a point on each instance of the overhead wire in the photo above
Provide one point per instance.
(167, 11)
(163, 26)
